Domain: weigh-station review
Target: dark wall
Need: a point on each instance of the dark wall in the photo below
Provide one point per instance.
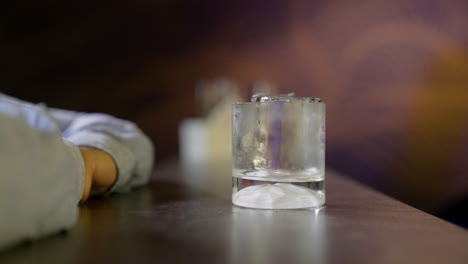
(394, 74)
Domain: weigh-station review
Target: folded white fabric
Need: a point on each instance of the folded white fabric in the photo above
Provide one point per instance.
(42, 170)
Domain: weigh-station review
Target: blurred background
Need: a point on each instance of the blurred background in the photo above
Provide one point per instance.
(394, 75)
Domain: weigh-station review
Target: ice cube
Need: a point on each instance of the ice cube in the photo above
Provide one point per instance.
(278, 196)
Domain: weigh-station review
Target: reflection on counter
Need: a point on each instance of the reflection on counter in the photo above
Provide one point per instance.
(253, 232)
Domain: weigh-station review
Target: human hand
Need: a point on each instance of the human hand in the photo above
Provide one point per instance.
(100, 172)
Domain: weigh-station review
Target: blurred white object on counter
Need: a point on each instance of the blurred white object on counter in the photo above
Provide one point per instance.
(208, 139)
(193, 139)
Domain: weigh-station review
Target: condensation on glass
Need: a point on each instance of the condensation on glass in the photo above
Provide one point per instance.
(278, 146)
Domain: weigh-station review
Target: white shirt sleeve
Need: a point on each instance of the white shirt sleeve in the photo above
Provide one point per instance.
(42, 170)
(131, 150)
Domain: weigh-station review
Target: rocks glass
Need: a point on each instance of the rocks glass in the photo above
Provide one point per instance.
(278, 147)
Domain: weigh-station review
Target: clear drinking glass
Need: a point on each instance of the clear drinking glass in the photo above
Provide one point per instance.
(278, 147)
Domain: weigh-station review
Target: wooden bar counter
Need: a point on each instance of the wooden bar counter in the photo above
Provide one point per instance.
(185, 215)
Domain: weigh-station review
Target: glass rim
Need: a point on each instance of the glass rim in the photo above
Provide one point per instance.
(295, 102)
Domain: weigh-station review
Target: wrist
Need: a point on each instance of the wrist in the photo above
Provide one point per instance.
(88, 172)
(100, 172)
